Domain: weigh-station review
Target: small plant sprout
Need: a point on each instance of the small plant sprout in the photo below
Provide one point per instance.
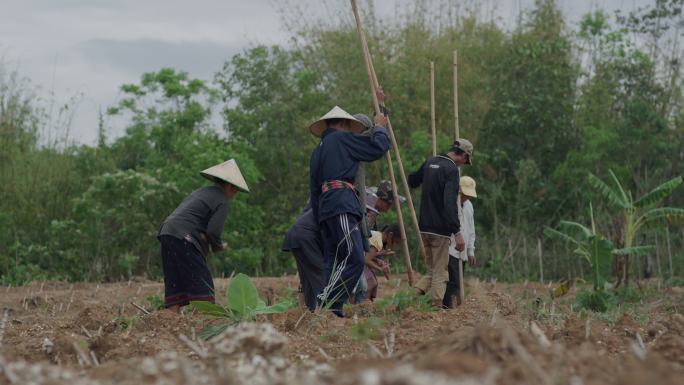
(242, 304)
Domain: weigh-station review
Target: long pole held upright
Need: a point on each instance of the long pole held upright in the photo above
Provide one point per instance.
(432, 109)
(457, 135)
(374, 85)
(412, 210)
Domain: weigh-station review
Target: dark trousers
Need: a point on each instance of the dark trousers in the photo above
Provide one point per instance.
(454, 284)
(186, 274)
(310, 267)
(344, 259)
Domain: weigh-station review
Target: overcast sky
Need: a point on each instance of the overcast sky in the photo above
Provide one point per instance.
(88, 48)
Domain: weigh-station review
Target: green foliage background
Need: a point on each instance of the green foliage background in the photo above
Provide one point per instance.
(544, 102)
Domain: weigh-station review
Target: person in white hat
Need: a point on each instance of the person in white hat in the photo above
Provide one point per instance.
(191, 230)
(468, 231)
(334, 201)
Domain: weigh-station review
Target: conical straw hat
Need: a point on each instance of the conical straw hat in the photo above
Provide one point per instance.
(228, 172)
(319, 126)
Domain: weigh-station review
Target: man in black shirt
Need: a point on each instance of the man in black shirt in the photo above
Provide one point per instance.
(439, 178)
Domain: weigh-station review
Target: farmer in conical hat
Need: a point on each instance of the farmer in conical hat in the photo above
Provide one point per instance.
(303, 240)
(334, 201)
(192, 229)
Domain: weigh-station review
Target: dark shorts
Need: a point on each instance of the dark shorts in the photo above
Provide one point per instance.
(186, 274)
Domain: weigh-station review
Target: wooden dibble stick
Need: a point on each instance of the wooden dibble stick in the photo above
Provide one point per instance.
(433, 123)
(457, 135)
(372, 78)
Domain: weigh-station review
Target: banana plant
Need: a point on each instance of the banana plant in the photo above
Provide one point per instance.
(637, 213)
(589, 245)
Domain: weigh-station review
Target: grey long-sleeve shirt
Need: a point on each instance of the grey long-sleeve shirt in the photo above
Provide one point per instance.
(201, 214)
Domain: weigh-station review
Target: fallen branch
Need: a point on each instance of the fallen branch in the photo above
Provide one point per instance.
(142, 309)
(324, 354)
(96, 362)
(389, 343)
(83, 358)
(541, 337)
(201, 352)
(524, 355)
(87, 333)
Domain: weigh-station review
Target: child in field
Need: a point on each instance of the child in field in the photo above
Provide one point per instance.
(467, 191)
(381, 245)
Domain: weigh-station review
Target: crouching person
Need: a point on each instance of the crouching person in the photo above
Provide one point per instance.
(193, 229)
(382, 244)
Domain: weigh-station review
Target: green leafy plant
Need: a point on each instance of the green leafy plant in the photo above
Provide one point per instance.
(637, 213)
(155, 302)
(127, 323)
(589, 245)
(403, 300)
(596, 300)
(242, 304)
(369, 329)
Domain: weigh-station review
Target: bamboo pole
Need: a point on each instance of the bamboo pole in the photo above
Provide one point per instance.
(541, 264)
(432, 109)
(457, 133)
(402, 173)
(669, 250)
(657, 252)
(374, 86)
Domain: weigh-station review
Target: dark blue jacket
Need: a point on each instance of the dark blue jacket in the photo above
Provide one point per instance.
(337, 157)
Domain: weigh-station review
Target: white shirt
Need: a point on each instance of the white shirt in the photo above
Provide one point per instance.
(467, 232)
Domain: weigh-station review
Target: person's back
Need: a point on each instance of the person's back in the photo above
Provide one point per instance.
(439, 179)
(337, 158)
(199, 216)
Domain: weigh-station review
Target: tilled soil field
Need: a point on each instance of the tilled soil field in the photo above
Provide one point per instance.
(62, 333)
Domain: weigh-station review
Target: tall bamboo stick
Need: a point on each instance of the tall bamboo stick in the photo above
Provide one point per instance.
(374, 86)
(432, 109)
(669, 250)
(541, 257)
(457, 133)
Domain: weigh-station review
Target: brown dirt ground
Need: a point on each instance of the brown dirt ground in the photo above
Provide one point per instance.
(488, 338)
